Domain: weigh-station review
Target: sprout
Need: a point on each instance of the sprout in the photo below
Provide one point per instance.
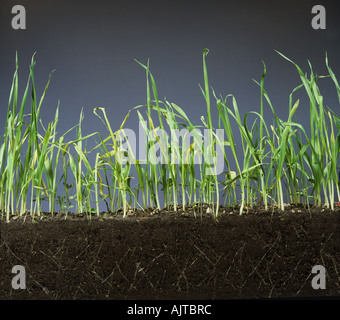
(280, 161)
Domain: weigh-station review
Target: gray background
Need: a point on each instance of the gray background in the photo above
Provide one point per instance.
(93, 44)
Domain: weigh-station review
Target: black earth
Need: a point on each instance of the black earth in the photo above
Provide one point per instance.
(174, 255)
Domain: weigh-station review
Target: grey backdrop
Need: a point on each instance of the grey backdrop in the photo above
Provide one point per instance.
(93, 44)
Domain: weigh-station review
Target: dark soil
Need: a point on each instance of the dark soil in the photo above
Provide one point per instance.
(168, 255)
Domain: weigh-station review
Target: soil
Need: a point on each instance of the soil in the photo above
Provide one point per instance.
(160, 255)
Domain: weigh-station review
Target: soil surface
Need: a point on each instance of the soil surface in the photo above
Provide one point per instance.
(173, 255)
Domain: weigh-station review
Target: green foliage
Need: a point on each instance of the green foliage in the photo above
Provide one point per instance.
(35, 163)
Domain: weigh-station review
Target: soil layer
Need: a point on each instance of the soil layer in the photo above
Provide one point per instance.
(173, 255)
